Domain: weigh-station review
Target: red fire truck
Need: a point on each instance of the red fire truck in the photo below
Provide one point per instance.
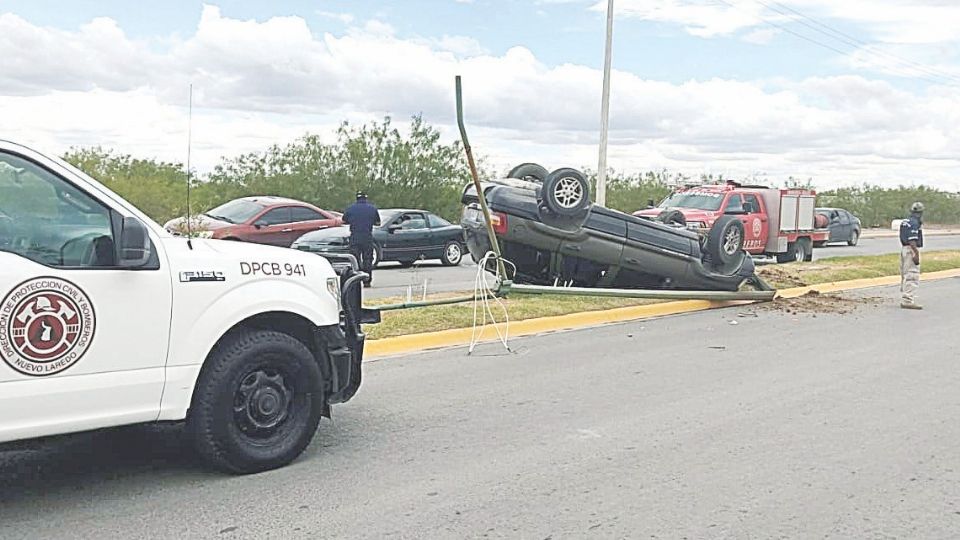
(779, 223)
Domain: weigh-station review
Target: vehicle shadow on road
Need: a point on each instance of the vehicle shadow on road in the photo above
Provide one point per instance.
(129, 461)
(87, 461)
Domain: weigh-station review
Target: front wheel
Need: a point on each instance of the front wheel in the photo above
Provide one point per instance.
(452, 254)
(854, 238)
(257, 402)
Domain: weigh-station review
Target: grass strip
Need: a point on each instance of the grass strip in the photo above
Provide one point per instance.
(521, 307)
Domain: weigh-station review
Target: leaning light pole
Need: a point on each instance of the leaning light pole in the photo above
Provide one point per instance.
(605, 112)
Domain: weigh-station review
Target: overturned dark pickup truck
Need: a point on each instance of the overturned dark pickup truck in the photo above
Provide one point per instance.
(548, 228)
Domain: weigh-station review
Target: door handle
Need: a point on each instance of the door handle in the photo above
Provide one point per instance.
(632, 261)
(572, 248)
(287, 230)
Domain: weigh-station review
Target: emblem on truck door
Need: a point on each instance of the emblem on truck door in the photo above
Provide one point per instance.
(46, 326)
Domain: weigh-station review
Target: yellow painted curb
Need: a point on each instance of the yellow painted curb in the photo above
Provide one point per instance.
(864, 283)
(461, 336)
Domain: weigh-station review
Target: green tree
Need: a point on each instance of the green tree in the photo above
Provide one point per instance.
(629, 193)
(416, 170)
(155, 187)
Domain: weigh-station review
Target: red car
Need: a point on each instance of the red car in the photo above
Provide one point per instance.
(275, 221)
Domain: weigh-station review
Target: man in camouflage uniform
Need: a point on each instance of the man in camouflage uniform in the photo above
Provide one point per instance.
(911, 240)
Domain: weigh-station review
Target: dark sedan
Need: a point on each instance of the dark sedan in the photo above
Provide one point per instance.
(844, 226)
(405, 236)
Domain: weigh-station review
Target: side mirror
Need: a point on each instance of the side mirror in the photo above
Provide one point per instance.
(394, 227)
(258, 224)
(135, 250)
(650, 203)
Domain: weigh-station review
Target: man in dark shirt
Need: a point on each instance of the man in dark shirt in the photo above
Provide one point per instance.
(911, 240)
(362, 216)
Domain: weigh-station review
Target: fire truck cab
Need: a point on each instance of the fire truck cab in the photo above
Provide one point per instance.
(778, 223)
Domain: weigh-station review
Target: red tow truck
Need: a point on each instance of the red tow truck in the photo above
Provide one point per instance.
(778, 223)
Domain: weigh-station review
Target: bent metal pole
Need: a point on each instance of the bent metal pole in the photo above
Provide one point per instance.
(494, 245)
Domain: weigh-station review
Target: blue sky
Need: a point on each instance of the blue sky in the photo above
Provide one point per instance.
(556, 32)
(715, 86)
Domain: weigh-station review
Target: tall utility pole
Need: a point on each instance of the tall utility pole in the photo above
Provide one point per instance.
(605, 112)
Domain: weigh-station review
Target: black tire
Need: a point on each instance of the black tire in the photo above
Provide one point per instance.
(672, 217)
(819, 244)
(796, 252)
(854, 238)
(529, 171)
(282, 376)
(377, 256)
(452, 254)
(725, 241)
(566, 192)
(807, 246)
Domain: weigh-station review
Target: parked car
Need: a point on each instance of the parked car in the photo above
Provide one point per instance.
(552, 233)
(844, 226)
(405, 236)
(268, 220)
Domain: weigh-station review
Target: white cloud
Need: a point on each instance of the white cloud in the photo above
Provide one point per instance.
(894, 21)
(345, 18)
(761, 36)
(703, 18)
(264, 82)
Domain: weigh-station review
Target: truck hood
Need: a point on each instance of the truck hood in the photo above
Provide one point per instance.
(691, 214)
(241, 256)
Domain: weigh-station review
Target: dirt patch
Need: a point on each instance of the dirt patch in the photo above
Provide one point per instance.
(814, 303)
(782, 276)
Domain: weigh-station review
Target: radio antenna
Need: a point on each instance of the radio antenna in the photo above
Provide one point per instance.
(189, 146)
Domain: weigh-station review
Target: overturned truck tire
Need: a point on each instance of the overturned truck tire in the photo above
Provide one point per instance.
(529, 171)
(725, 241)
(672, 217)
(566, 192)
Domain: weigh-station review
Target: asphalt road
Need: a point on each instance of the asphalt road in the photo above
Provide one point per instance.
(783, 425)
(391, 280)
(880, 246)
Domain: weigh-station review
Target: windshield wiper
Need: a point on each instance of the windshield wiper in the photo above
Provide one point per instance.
(221, 218)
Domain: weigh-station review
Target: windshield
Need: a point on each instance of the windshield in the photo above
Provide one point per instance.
(700, 200)
(237, 211)
(386, 215)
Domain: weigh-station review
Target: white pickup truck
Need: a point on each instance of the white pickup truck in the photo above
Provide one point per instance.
(106, 320)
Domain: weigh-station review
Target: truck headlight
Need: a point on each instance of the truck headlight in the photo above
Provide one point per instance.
(333, 287)
(695, 225)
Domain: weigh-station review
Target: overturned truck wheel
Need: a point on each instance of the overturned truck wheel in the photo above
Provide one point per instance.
(725, 241)
(566, 192)
(672, 217)
(529, 171)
